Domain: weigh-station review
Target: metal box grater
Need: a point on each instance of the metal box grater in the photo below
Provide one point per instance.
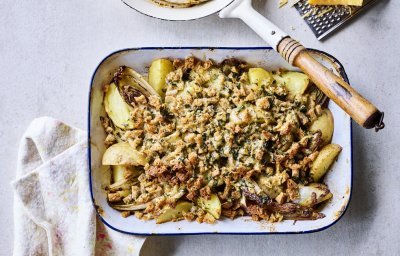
(323, 20)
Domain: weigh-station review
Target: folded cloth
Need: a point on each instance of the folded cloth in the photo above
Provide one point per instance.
(53, 212)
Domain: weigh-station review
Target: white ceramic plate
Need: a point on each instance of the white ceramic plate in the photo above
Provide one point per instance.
(339, 179)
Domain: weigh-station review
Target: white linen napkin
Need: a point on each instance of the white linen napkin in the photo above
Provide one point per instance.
(53, 211)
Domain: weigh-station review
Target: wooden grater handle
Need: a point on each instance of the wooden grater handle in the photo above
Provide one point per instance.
(360, 109)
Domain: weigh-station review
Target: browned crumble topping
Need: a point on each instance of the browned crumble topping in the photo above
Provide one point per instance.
(216, 133)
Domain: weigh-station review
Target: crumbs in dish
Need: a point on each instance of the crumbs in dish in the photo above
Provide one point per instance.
(201, 141)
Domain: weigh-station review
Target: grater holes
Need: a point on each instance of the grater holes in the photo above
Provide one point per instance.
(322, 19)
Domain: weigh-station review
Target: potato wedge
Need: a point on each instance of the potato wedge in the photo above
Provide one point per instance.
(259, 76)
(212, 205)
(174, 213)
(159, 69)
(325, 124)
(117, 109)
(123, 154)
(120, 172)
(296, 83)
(324, 160)
(312, 195)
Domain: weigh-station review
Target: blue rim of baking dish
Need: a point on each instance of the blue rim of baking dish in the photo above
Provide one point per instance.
(342, 73)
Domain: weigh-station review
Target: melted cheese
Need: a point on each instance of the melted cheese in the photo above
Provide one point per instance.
(336, 2)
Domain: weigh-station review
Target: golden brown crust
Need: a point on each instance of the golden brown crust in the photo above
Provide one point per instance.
(216, 133)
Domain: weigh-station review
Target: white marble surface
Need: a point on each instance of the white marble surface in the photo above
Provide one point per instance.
(49, 49)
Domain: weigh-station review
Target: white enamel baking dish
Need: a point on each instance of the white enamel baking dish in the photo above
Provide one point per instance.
(339, 178)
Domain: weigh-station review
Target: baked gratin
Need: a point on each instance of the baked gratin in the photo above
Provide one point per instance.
(200, 141)
(178, 3)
